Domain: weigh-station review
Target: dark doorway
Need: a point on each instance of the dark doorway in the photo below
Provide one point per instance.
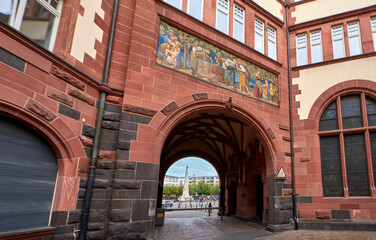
(232, 198)
(259, 197)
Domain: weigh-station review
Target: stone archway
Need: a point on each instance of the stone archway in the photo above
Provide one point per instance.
(236, 143)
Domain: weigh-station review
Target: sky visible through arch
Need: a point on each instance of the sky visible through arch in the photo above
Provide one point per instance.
(196, 166)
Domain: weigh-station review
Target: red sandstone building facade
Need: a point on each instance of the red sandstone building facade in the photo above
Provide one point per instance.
(99, 98)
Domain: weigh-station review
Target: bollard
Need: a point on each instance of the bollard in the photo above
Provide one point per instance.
(209, 210)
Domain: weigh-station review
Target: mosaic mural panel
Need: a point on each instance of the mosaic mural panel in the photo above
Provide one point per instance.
(187, 54)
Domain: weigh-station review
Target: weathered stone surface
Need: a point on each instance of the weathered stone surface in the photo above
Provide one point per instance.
(122, 194)
(12, 60)
(59, 218)
(107, 155)
(111, 116)
(127, 184)
(96, 235)
(122, 155)
(94, 226)
(147, 171)
(74, 216)
(105, 173)
(127, 135)
(101, 164)
(130, 117)
(111, 125)
(102, 183)
(270, 131)
(340, 214)
(200, 96)
(123, 164)
(87, 142)
(139, 110)
(121, 204)
(125, 125)
(83, 183)
(129, 231)
(74, 92)
(124, 174)
(114, 99)
(120, 215)
(323, 214)
(281, 203)
(143, 210)
(59, 96)
(96, 215)
(149, 190)
(67, 77)
(69, 112)
(124, 145)
(88, 131)
(169, 108)
(81, 193)
(40, 110)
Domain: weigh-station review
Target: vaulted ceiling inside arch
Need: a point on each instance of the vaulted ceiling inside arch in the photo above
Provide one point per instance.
(211, 135)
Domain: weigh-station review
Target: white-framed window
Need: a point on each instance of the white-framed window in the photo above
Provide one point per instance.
(195, 8)
(373, 26)
(259, 35)
(272, 40)
(174, 3)
(338, 42)
(239, 17)
(316, 47)
(37, 19)
(301, 49)
(355, 44)
(222, 15)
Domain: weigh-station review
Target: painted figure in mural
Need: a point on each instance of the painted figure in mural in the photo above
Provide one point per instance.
(273, 91)
(173, 51)
(229, 67)
(193, 59)
(257, 89)
(243, 79)
(264, 90)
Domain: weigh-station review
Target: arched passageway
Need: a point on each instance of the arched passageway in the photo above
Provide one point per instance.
(236, 149)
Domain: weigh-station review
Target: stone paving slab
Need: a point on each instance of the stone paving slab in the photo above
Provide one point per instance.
(198, 225)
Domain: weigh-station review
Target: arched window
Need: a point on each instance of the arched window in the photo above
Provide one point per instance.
(348, 146)
(27, 177)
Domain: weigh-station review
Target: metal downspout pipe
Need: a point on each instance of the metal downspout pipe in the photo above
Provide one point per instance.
(98, 126)
(294, 212)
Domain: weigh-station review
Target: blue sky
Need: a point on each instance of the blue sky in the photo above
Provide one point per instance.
(5, 6)
(196, 166)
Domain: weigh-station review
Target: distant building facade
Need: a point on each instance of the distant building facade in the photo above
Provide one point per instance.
(179, 181)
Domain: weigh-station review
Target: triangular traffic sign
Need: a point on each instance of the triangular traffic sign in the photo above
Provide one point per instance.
(281, 174)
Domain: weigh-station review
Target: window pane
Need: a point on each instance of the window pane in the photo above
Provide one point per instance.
(356, 165)
(302, 56)
(259, 43)
(37, 23)
(354, 43)
(329, 120)
(195, 8)
(338, 49)
(316, 53)
(5, 10)
(222, 22)
(331, 166)
(238, 31)
(374, 41)
(371, 111)
(271, 50)
(372, 137)
(351, 112)
(175, 3)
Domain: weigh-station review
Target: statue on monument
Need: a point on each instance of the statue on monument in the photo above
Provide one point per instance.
(185, 196)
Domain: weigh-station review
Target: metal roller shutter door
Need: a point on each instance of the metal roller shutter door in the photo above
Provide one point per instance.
(28, 171)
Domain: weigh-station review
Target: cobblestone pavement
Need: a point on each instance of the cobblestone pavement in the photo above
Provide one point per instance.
(198, 225)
